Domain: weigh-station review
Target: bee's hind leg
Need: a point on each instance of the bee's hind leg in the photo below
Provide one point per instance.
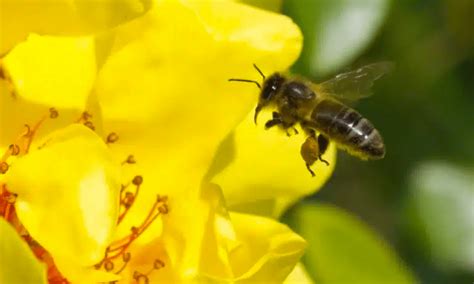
(308, 166)
(313, 148)
(310, 152)
(323, 144)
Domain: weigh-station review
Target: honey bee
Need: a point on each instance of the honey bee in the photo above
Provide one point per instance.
(318, 108)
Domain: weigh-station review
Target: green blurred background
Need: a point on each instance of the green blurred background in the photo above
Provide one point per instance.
(411, 215)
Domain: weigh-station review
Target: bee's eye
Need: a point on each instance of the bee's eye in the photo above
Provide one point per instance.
(271, 87)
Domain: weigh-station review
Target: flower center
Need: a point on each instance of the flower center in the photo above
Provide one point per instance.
(116, 256)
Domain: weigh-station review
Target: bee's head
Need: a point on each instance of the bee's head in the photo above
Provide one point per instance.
(271, 86)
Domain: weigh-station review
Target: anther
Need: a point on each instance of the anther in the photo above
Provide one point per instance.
(89, 124)
(140, 278)
(163, 209)
(136, 274)
(134, 230)
(108, 265)
(53, 113)
(86, 116)
(3, 167)
(158, 264)
(126, 257)
(14, 149)
(130, 160)
(128, 199)
(161, 198)
(137, 180)
(10, 198)
(112, 138)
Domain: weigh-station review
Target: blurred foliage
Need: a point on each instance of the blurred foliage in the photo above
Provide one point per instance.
(425, 112)
(341, 249)
(335, 30)
(441, 204)
(271, 5)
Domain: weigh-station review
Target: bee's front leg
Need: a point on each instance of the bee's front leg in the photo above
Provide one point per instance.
(276, 120)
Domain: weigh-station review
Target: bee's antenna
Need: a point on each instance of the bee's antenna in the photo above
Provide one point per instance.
(259, 71)
(247, 81)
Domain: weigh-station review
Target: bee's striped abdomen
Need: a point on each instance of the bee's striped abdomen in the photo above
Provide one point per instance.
(348, 129)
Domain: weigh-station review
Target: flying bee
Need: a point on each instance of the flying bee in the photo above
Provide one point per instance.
(318, 108)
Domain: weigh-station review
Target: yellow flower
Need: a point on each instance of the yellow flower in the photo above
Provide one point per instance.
(157, 90)
(63, 17)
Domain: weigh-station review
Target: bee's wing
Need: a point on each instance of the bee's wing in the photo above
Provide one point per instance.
(355, 84)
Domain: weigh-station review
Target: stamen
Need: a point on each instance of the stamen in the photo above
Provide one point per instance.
(112, 138)
(54, 276)
(3, 167)
(85, 116)
(157, 264)
(140, 278)
(14, 149)
(125, 258)
(130, 160)
(24, 141)
(53, 113)
(90, 125)
(119, 247)
(7, 201)
(127, 198)
(7, 210)
(137, 180)
(108, 265)
(84, 119)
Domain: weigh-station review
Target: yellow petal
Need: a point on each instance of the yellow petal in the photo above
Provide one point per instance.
(148, 81)
(209, 245)
(45, 72)
(268, 252)
(267, 173)
(68, 195)
(53, 71)
(298, 276)
(180, 88)
(63, 17)
(17, 262)
(244, 248)
(191, 241)
(165, 92)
